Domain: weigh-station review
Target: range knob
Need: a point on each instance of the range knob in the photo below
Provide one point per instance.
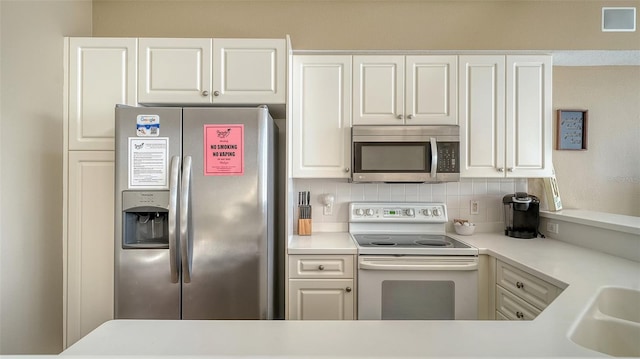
(427, 212)
(369, 212)
(359, 212)
(437, 212)
(410, 212)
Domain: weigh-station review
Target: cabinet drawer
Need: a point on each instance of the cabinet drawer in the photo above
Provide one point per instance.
(513, 307)
(320, 266)
(530, 288)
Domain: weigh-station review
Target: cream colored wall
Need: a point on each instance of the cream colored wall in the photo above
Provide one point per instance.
(374, 24)
(605, 177)
(31, 170)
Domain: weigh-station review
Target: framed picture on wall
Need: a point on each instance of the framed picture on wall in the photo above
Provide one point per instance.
(572, 130)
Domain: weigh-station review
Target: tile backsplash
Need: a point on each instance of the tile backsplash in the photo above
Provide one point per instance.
(457, 195)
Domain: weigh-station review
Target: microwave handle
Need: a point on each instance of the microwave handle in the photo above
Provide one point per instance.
(434, 156)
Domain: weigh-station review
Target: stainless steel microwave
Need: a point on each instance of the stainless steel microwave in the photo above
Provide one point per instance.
(405, 153)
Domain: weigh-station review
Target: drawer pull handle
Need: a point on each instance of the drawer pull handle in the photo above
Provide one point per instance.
(321, 267)
(348, 289)
(520, 285)
(520, 315)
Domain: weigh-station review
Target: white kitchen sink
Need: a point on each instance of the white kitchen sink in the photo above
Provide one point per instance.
(611, 324)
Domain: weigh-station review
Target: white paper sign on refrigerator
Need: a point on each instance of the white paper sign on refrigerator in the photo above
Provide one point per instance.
(148, 162)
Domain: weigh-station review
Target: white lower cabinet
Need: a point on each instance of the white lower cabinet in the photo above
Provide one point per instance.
(521, 295)
(321, 287)
(88, 257)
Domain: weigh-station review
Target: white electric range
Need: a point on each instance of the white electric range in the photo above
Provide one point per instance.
(408, 268)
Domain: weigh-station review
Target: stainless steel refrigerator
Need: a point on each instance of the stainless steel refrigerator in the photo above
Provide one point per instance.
(195, 233)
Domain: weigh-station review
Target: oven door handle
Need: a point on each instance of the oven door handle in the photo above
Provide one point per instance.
(445, 264)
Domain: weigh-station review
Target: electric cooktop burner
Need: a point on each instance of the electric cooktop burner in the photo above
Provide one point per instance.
(408, 240)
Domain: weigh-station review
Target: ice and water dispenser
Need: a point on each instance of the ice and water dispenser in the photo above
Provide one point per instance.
(145, 219)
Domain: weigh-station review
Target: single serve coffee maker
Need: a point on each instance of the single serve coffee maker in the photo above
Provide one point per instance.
(521, 215)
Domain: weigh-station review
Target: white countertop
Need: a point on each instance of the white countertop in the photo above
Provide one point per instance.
(616, 222)
(582, 271)
(322, 242)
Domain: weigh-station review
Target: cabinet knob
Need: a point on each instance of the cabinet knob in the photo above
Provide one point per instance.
(321, 267)
(399, 117)
(520, 315)
(501, 169)
(348, 289)
(520, 285)
(216, 93)
(410, 117)
(205, 93)
(510, 169)
(346, 170)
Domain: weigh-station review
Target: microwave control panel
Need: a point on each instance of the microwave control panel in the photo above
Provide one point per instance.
(448, 155)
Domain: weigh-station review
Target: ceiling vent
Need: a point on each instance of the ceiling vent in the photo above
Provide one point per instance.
(618, 19)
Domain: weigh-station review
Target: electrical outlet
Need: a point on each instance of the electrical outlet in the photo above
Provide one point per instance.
(553, 227)
(475, 207)
(327, 210)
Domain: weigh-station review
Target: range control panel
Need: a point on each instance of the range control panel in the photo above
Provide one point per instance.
(418, 212)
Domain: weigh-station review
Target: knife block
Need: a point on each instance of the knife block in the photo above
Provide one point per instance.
(304, 227)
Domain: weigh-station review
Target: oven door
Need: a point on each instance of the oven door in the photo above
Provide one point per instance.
(417, 287)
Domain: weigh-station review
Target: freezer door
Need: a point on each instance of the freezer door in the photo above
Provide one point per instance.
(147, 283)
(228, 270)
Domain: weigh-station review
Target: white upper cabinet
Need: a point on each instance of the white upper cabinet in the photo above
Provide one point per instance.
(249, 71)
(102, 73)
(529, 116)
(405, 90)
(320, 116)
(174, 70)
(505, 116)
(205, 71)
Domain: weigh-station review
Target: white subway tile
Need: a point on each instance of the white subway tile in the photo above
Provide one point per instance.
(397, 192)
(357, 192)
(384, 192)
(424, 192)
(453, 188)
(370, 192)
(493, 187)
(479, 186)
(439, 189)
(411, 192)
(465, 187)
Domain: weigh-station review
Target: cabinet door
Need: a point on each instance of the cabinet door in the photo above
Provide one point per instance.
(431, 90)
(378, 96)
(89, 242)
(102, 73)
(321, 299)
(528, 119)
(321, 122)
(174, 71)
(250, 71)
(482, 117)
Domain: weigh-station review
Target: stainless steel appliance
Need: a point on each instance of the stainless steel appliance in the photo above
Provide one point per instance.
(405, 153)
(521, 215)
(194, 213)
(408, 268)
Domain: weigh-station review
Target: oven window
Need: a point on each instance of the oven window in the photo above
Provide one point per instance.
(418, 300)
(384, 157)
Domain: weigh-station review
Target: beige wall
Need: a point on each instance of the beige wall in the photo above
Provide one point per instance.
(31, 170)
(376, 24)
(605, 177)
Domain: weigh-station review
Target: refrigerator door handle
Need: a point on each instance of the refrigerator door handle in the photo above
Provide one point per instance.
(184, 220)
(173, 207)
